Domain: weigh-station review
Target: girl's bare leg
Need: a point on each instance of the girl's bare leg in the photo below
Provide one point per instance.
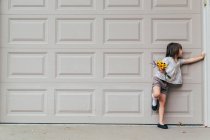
(162, 102)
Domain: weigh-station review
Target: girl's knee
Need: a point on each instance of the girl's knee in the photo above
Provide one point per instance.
(156, 94)
(156, 91)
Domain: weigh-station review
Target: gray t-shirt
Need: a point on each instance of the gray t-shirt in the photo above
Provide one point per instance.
(173, 70)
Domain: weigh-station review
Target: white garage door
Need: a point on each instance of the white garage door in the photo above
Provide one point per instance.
(88, 61)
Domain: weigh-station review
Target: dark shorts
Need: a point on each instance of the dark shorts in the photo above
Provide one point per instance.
(160, 83)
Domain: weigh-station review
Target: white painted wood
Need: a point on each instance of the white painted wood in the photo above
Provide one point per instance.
(208, 66)
(89, 61)
(206, 34)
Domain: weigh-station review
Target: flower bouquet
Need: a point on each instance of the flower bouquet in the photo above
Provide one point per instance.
(161, 67)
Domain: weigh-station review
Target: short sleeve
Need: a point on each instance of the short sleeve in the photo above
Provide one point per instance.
(181, 61)
(166, 60)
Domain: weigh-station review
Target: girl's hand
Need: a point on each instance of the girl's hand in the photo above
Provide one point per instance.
(203, 55)
(162, 71)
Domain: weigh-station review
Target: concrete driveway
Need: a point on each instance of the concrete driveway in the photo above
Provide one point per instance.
(100, 132)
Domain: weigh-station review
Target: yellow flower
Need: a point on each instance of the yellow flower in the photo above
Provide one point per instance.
(161, 65)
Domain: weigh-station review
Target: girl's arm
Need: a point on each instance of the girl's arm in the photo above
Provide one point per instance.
(194, 59)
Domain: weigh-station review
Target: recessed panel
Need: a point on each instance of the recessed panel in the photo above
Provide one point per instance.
(27, 65)
(123, 65)
(165, 30)
(176, 6)
(75, 4)
(26, 101)
(180, 102)
(72, 65)
(74, 102)
(27, 3)
(171, 3)
(28, 31)
(123, 30)
(75, 31)
(123, 4)
(123, 102)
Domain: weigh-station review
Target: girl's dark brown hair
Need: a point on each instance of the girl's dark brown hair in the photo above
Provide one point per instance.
(173, 49)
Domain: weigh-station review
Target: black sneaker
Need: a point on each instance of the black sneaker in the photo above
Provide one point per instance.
(162, 126)
(154, 108)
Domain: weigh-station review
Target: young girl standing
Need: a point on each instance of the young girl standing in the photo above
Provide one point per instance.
(172, 75)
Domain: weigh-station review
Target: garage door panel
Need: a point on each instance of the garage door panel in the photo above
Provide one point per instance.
(18, 62)
(123, 30)
(185, 99)
(75, 4)
(174, 5)
(74, 102)
(27, 3)
(75, 65)
(121, 101)
(114, 102)
(22, 101)
(16, 7)
(177, 28)
(169, 29)
(28, 102)
(123, 64)
(20, 65)
(75, 30)
(167, 3)
(184, 102)
(19, 31)
(123, 4)
(178, 5)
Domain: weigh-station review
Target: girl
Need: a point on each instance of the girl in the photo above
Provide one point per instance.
(173, 71)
